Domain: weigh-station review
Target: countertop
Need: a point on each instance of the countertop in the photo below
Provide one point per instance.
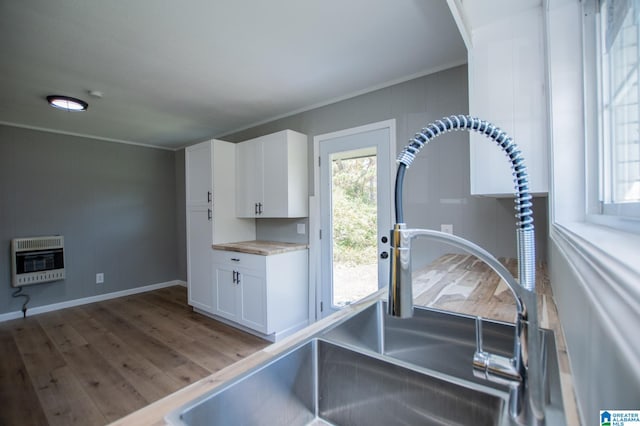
(263, 248)
(452, 282)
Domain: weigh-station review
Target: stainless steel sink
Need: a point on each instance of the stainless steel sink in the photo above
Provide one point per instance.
(440, 341)
(321, 382)
(375, 369)
(444, 343)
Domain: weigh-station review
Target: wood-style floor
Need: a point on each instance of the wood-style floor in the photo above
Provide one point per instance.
(92, 364)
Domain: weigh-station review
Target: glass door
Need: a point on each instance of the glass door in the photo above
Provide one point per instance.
(355, 208)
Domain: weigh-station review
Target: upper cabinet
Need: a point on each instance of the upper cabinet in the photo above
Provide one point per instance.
(272, 176)
(507, 86)
(199, 174)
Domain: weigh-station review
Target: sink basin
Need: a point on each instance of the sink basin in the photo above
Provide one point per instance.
(321, 382)
(444, 342)
(437, 340)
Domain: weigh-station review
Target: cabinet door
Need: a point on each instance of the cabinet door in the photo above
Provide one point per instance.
(199, 240)
(253, 300)
(227, 226)
(511, 94)
(198, 174)
(249, 171)
(275, 176)
(227, 302)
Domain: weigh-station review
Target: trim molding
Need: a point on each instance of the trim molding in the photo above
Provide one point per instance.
(85, 300)
(351, 95)
(609, 281)
(83, 135)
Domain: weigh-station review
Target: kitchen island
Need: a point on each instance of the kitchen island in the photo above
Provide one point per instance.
(453, 282)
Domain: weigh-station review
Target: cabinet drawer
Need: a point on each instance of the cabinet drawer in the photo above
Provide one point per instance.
(244, 260)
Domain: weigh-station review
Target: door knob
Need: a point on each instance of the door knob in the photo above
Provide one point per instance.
(384, 255)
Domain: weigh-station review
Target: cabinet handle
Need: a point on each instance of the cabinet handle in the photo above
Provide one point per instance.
(209, 214)
(259, 208)
(208, 196)
(235, 259)
(237, 277)
(234, 277)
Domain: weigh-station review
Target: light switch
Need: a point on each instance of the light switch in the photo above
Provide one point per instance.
(301, 228)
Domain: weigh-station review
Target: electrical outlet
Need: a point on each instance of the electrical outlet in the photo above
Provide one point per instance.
(446, 227)
(301, 228)
(99, 278)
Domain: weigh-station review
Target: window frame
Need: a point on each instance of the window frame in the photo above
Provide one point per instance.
(601, 209)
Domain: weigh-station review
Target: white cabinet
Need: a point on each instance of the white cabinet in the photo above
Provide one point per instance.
(267, 294)
(507, 86)
(249, 172)
(199, 240)
(210, 197)
(240, 294)
(272, 176)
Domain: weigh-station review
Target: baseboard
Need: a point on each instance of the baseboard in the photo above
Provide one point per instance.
(291, 330)
(76, 302)
(273, 337)
(267, 337)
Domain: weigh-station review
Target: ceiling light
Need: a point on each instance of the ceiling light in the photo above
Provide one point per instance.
(67, 103)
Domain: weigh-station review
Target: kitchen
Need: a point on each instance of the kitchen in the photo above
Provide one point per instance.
(121, 206)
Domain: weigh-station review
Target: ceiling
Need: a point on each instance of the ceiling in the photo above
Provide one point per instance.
(176, 72)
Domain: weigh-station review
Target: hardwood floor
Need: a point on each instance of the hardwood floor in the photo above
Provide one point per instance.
(92, 364)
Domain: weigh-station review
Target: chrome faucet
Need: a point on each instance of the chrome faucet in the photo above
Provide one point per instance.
(523, 372)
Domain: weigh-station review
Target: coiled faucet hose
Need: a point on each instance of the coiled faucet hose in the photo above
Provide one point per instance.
(523, 203)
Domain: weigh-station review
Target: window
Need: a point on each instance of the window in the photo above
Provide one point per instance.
(620, 108)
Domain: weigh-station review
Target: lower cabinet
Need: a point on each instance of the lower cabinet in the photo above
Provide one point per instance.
(239, 295)
(267, 294)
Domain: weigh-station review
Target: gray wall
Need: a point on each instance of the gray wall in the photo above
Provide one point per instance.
(114, 204)
(437, 185)
(181, 218)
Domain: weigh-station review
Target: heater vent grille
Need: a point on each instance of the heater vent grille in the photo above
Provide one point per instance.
(37, 260)
(38, 243)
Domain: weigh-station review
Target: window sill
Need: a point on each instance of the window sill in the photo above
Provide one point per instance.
(614, 253)
(623, 224)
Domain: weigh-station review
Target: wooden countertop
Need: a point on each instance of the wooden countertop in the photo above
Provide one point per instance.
(263, 248)
(452, 282)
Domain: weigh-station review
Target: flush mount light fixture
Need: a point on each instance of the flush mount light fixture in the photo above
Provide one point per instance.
(67, 103)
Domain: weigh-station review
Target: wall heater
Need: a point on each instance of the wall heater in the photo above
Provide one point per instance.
(37, 260)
